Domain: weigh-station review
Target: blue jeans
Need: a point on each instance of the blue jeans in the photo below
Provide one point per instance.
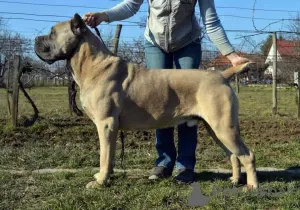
(188, 57)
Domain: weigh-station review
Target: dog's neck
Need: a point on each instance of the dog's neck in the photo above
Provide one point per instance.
(88, 48)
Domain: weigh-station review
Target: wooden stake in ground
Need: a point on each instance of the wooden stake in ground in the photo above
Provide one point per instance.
(15, 90)
(117, 38)
(237, 83)
(274, 108)
(9, 88)
(297, 78)
(70, 91)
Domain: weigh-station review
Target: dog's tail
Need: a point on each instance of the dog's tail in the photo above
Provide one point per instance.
(228, 73)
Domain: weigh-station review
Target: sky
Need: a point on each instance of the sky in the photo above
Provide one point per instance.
(30, 28)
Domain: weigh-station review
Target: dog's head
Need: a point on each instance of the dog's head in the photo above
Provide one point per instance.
(62, 40)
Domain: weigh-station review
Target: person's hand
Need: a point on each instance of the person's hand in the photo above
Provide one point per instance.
(235, 59)
(93, 19)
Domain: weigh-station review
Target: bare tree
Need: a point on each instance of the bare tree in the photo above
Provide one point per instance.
(12, 44)
(107, 37)
(143, 20)
(39, 70)
(288, 68)
(290, 62)
(134, 51)
(2, 24)
(294, 26)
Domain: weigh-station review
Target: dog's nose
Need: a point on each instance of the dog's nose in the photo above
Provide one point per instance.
(46, 49)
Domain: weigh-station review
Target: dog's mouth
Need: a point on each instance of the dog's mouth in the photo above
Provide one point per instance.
(48, 61)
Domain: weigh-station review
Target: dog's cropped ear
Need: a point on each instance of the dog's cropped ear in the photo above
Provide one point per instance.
(78, 27)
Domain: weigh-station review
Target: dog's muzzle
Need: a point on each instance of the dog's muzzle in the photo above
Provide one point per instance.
(43, 48)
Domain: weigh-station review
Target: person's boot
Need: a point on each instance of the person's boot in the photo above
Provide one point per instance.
(160, 172)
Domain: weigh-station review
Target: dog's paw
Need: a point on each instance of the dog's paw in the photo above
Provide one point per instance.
(97, 176)
(92, 185)
(249, 188)
(235, 180)
(100, 179)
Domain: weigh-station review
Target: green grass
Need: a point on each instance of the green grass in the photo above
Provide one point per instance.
(60, 141)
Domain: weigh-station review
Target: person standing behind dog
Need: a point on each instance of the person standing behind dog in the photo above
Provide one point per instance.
(172, 35)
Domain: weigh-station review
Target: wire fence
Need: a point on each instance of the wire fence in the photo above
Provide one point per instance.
(42, 74)
(284, 60)
(56, 74)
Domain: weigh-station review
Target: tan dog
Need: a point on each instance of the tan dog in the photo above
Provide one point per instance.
(117, 95)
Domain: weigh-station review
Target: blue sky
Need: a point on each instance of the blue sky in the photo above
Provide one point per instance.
(31, 28)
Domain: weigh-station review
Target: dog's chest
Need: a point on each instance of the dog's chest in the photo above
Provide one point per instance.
(86, 105)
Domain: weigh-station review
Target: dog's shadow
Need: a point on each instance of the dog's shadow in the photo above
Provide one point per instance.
(288, 175)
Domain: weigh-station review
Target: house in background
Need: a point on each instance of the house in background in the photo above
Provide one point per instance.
(255, 75)
(288, 55)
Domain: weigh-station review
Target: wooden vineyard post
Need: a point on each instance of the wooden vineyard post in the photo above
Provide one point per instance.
(15, 90)
(117, 38)
(70, 92)
(274, 108)
(297, 81)
(9, 88)
(237, 83)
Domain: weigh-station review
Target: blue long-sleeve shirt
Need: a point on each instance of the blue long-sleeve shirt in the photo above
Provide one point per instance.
(211, 21)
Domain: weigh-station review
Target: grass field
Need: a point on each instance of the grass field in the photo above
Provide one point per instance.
(63, 142)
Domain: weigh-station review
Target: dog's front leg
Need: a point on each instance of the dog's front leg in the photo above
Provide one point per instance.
(107, 131)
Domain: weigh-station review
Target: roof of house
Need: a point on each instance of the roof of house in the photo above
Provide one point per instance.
(288, 48)
(222, 61)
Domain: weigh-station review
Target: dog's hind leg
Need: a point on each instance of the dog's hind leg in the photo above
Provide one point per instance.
(107, 131)
(232, 143)
(235, 162)
(222, 116)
